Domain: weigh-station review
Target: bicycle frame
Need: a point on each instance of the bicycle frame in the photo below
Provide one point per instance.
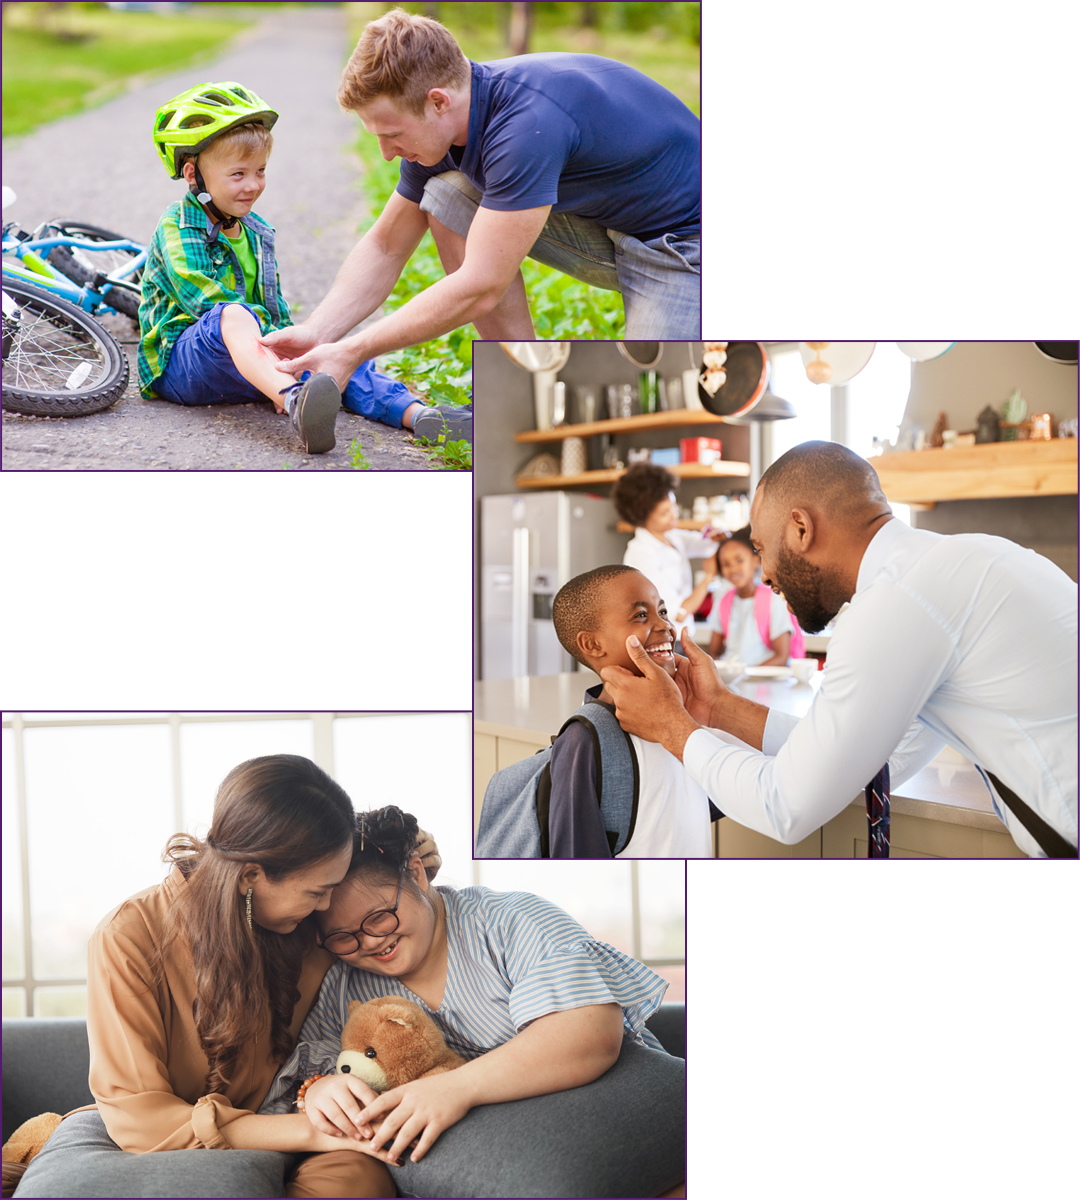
(38, 271)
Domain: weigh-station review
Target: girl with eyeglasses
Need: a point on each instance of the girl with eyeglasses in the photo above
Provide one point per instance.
(547, 1016)
(197, 989)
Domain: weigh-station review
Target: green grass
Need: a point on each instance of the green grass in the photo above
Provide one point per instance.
(58, 63)
(357, 458)
(447, 456)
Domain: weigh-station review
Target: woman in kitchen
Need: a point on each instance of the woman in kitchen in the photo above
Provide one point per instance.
(645, 498)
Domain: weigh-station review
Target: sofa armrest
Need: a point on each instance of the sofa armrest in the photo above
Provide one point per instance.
(668, 1023)
(46, 1068)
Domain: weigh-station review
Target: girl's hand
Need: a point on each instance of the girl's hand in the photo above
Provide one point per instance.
(418, 1112)
(429, 853)
(332, 1104)
(323, 1143)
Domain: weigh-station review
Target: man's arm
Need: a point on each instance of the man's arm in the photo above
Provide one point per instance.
(658, 709)
(366, 278)
(497, 244)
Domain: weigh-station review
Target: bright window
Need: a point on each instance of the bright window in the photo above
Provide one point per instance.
(102, 793)
(869, 406)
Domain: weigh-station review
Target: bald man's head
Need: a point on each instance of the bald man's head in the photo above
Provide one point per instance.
(815, 511)
(828, 478)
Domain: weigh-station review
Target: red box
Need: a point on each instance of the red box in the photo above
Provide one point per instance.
(700, 450)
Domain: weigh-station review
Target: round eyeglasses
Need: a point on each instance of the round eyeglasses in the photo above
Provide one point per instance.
(377, 924)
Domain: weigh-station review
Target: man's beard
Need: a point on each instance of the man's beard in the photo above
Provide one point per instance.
(802, 585)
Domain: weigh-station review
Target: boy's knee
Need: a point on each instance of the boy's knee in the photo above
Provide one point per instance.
(236, 316)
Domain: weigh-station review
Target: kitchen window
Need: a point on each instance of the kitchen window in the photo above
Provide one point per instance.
(869, 406)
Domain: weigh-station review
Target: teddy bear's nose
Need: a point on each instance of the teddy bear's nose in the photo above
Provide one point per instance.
(370, 1052)
(346, 1069)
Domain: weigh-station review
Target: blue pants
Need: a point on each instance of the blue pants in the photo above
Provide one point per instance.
(200, 370)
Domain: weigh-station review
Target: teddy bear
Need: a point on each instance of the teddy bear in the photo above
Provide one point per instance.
(389, 1041)
(24, 1144)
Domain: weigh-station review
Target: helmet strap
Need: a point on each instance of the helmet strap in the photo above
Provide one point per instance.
(206, 200)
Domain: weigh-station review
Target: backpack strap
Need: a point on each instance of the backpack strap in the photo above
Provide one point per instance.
(1049, 840)
(617, 776)
(763, 612)
(726, 602)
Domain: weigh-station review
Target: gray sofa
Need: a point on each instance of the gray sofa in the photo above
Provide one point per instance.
(47, 1061)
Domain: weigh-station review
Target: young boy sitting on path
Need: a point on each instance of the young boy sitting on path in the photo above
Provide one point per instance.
(211, 286)
(594, 614)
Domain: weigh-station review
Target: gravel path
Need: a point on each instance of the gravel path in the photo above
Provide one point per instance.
(100, 167)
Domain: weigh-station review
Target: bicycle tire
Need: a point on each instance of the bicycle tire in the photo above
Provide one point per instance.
(45, 345)
(66, 263)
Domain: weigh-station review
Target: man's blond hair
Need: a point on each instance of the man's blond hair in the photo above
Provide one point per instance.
(402, 56)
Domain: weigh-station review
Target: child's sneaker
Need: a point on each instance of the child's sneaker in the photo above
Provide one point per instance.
(313, 408)
(437, 419)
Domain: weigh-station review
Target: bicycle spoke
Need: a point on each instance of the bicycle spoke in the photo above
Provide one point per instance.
(44, 356)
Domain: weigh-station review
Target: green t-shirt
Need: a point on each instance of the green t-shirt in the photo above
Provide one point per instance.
(245, 252)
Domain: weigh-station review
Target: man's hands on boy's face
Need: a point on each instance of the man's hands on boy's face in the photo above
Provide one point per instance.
(652, 705)
(698, 680)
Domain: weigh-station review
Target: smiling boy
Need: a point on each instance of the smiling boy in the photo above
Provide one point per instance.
(594, 614)
(211, 286)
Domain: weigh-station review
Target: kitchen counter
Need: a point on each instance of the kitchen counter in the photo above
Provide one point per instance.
(944, 810)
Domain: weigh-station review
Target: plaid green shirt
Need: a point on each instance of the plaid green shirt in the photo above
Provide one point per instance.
(186, 274)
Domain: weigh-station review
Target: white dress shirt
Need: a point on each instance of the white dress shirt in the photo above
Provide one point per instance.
(968, 640)
(666, 565)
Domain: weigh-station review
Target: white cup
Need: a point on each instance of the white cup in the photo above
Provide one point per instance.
(729, 671)
(804, 669)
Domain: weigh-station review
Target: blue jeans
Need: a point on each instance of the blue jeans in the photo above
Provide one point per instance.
(200, 370)
(660, 280)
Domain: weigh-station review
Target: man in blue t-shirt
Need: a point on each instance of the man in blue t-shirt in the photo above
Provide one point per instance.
(577, 161)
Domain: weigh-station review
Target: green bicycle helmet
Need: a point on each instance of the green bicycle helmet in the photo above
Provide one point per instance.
(189, 122)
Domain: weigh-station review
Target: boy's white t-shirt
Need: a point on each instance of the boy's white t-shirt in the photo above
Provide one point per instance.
(743, 642)
(673, 810)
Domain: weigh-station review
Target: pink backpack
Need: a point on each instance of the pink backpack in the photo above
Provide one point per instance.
(762, 605)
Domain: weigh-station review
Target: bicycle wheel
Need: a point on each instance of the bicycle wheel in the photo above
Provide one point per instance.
(81, 267)
(58, 361)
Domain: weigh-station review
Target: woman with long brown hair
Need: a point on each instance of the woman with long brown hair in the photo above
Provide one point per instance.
(197, 989)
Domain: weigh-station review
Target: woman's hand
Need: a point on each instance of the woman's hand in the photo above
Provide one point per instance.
(429, 853)
(333, 1104)
(418, 1112)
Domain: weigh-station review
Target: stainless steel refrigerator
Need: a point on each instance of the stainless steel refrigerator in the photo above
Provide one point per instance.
(530, 545)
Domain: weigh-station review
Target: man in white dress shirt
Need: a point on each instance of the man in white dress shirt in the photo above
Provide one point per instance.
(968, 640)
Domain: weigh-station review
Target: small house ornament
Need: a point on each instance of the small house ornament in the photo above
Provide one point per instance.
(987, 430)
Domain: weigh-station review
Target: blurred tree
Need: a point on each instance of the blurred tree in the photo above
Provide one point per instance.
(520, 23)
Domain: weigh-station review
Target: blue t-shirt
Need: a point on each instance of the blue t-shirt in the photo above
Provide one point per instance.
(586, 135)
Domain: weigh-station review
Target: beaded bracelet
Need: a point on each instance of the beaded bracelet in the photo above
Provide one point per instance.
(303, 1088)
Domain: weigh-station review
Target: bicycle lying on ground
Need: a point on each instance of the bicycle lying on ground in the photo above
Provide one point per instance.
(58, 360)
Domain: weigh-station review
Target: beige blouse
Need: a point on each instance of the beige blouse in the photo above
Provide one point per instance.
(146, 1066)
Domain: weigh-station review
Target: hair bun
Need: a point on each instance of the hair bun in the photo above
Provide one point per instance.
(390, 831)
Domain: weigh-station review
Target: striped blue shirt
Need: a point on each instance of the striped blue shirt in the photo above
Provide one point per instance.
(511, 957)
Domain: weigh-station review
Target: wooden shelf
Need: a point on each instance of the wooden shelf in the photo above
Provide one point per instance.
(999, 469)
(684, 523)
(720, 470)
(678, 418)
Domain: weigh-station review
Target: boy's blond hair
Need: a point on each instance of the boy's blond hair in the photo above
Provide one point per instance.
(402, 56)
(243, 140)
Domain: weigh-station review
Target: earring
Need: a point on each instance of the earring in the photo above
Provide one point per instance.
(250, 893)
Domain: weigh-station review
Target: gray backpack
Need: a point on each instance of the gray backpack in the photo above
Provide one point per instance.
(514, 818)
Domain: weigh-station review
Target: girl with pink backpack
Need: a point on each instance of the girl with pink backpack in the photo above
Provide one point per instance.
(750, 623)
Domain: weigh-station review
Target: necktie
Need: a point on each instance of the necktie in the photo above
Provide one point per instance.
(877, 814)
